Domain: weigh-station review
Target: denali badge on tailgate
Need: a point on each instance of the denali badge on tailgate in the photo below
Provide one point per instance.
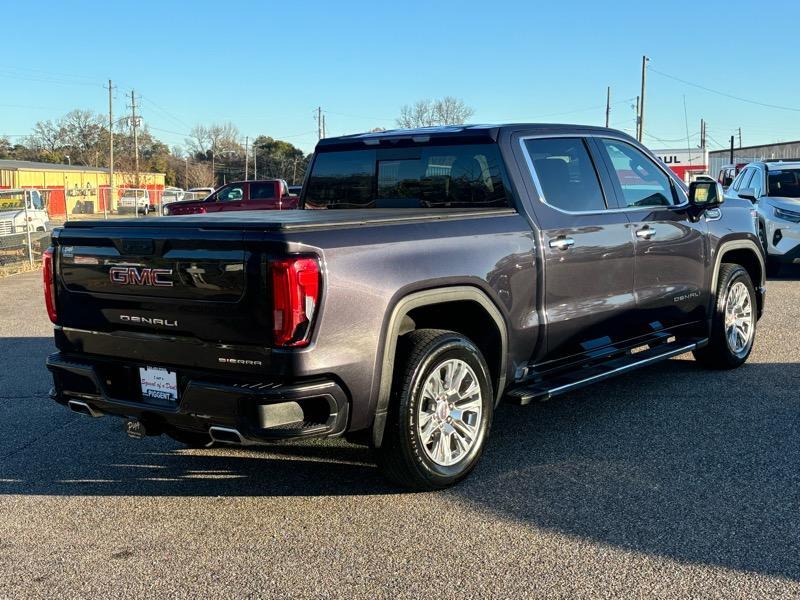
(144, 276)
(148, 320)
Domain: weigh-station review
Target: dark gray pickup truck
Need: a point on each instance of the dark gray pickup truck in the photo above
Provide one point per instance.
(431, 274)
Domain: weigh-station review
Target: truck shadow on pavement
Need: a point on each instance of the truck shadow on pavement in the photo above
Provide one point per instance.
(787, 273)
(698, 466)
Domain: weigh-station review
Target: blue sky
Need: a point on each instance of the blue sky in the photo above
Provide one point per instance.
(266, 66)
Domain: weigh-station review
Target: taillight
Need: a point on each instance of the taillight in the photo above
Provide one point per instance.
(48, 277)
(295, 297)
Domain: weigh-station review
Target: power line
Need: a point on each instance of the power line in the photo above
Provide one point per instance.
(579, 110)
(670, 141)
(725, 94)
(164, 111)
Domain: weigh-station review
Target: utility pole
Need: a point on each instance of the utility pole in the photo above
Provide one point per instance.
(702, 133)
(246, 157)
(111, 194)
(638, 122)
(323, 127)
(740, 137)
(319, 122)
(135, 125)
(645, 60)
(608, 105)
(732, 151)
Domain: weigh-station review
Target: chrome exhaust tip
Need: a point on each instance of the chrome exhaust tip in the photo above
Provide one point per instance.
(226, 435)
(84, 409)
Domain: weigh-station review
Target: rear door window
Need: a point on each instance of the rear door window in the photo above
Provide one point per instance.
(453, 176)
(262, 191)
(642, 182)
(565, 173)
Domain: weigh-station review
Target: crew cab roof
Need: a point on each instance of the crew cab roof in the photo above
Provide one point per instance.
(456, 133)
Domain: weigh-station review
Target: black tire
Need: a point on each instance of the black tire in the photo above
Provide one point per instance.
(402, 457)
(191, 439)
(718, 353)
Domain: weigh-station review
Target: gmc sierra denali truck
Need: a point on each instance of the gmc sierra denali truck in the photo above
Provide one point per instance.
(431, 274)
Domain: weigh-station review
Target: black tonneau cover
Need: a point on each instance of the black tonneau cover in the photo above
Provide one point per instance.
(284, 220)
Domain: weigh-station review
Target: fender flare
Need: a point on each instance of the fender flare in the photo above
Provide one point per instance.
(737, 245)
(405, 305)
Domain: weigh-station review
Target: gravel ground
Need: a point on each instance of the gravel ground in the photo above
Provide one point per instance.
(671, 482)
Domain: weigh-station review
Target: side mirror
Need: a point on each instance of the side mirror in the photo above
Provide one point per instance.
(706, 194)
(748, 194)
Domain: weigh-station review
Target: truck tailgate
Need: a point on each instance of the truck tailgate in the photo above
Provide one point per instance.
(185, 282)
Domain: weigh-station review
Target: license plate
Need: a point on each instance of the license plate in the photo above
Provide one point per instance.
(159, 383)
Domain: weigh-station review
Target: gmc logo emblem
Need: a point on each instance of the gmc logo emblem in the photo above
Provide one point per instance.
(136, 276)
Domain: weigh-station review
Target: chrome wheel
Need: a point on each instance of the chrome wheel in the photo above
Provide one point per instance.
(739, 320)
(450, 412)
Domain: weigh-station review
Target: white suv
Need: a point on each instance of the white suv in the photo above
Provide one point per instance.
(135, 200)
(13, 216)
(775, 189)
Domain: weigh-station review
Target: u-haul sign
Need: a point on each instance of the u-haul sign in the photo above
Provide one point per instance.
(684, 161)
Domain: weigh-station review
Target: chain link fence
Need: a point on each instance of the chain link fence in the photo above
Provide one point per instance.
(27, 216)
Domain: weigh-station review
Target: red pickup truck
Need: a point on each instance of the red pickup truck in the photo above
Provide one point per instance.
(263, 194)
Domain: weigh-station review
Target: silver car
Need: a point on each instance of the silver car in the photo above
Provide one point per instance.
(774, 187)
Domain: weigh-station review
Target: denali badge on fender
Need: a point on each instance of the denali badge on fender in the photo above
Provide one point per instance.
(136, 276)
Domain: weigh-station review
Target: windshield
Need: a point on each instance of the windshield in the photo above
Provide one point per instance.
(784, 183)
(455, 176)
(133, 194)
(14, 199)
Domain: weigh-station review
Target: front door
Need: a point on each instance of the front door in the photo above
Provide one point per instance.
(587, 248)
(229, 197)
(671, 250)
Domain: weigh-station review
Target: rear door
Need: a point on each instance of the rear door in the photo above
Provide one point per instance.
(263, 196)
(671, 250)
(587, 247)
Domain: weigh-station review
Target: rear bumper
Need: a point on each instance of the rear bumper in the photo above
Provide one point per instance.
(259, 411)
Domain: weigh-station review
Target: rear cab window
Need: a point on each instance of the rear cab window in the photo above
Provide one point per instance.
(426, 176)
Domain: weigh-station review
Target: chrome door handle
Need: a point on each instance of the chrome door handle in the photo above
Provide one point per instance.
(645, 233)
(562, 243)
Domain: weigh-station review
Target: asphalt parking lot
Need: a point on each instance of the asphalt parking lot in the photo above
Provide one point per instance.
(671, 482)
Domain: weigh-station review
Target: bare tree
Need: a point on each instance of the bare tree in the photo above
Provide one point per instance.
(83, 132)
(428, 113)
(47, 136)
(199, 175)
(200, 140)
(452, 111)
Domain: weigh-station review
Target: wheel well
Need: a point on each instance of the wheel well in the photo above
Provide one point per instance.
(467, 318)
(748, 260)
